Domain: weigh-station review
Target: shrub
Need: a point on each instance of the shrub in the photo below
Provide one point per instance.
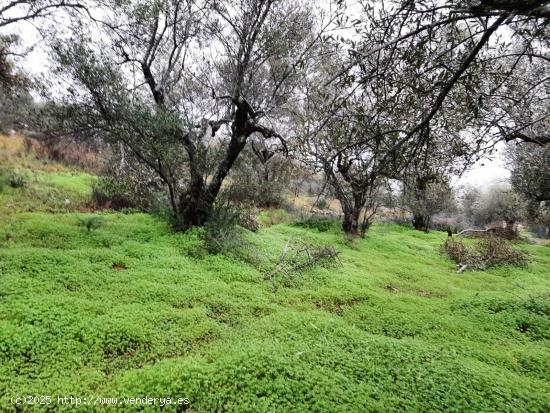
(260, 178)
(91, 223)
(223, 235)
(16, 179)
(249, 221)
(108, 192)
(247, 191)
(322, 224)
(426, 196)
(485, 253)
(126, 183)
(13, 179)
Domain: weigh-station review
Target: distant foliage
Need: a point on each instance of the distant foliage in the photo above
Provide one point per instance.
(110, 193)
(540, 221)
(322, 203)
(530, 171)
(530, 177)
(271, 216)
(260, 178)
(87, 154)
(487, 252)
(447, 222)
(424, 199)
(497, 203)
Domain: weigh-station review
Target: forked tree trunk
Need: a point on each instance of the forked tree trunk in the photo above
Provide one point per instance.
(195, 205)
(353, 225)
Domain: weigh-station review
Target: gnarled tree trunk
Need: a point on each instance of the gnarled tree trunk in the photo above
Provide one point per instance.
(196, 204)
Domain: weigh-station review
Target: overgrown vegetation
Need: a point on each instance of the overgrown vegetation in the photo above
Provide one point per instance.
(319, 223)
(125, 310)
(13, 178)
(111, 193)
(132, 308)
(488, 251)
(230, 253)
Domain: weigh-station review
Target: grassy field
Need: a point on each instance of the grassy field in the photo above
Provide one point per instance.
(131, 310)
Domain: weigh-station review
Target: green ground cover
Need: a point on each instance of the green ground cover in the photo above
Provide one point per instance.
(130, 309)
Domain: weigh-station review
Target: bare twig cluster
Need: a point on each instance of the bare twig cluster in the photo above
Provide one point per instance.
(296, 258)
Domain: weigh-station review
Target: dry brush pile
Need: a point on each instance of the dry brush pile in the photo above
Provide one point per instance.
(484, 253)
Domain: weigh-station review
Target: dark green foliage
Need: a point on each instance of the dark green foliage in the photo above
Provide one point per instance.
(109, 193)
(119, 192)
(91, 223)
(249, 190)
(321, 224)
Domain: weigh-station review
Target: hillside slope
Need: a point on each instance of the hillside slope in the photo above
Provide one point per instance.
(129, 310)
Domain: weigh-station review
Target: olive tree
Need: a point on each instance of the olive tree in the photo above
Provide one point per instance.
(184, 85)
(15, 99)
(499, 36)
(425, 196)
(500, 203)
(529, 165)
(332, 119)
(15, 11)
(388, 109)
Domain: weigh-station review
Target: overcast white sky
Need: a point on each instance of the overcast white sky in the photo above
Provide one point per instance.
(486, 172)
